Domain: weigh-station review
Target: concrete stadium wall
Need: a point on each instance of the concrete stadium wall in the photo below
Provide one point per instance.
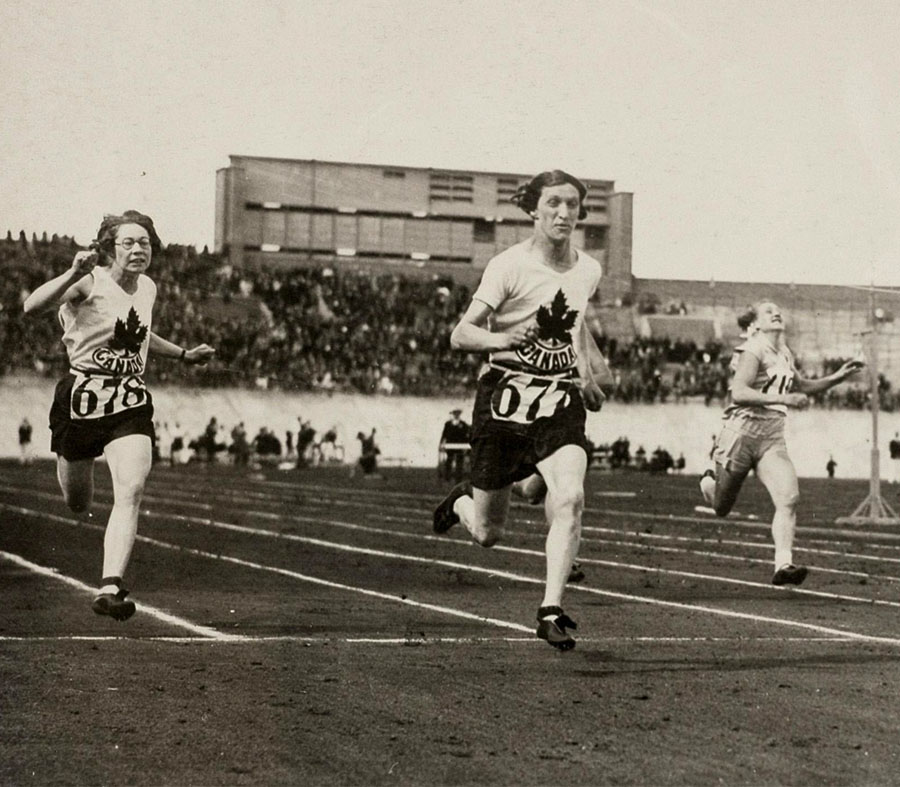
(409, 428)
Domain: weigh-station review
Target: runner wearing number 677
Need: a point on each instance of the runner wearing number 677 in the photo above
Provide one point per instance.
(103, 407)
(543, 369)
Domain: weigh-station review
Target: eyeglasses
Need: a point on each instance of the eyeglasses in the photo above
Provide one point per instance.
(128, 243)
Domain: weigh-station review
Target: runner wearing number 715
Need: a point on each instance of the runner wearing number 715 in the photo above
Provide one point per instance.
(105, 304)
(543, 369)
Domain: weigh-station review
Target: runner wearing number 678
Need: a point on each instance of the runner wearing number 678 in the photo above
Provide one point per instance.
(103, 407)
(543, 369)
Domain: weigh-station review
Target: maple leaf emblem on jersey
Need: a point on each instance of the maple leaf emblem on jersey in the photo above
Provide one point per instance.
(129, 335)
(555, 323)
(553, 350)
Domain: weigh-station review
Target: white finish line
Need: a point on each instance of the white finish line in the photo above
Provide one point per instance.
(239, 639)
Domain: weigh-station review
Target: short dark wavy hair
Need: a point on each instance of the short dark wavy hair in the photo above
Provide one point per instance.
(106, 235)
(747, 318)
(527, 196)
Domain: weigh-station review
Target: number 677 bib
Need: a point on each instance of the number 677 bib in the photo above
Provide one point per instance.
(98, 396)
(522, 399)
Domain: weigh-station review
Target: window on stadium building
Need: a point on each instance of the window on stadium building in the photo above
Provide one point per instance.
(506, 187)
(595, 202)
(450, 187)
(594, 237)
(484, 231)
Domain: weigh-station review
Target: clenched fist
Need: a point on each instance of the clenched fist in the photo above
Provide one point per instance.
(84, 262)
(521, 335)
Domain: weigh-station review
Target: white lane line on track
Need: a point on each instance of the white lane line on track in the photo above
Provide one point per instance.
(766, 545)
(843, 633)
(330, 503)
(763, 529)
(641, 543)
(589, 529)
(243, 639)
(518, 550)
(154, 612)
(262, 567)
(642, 538)
(586, 560)
(693, 608)
(737, 558)
(370, 492)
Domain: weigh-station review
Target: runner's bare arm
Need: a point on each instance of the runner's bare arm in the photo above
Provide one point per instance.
(809, 386)
(599, 369)
(72, 286)
(471, 335)
(199, 354)
(590, 364)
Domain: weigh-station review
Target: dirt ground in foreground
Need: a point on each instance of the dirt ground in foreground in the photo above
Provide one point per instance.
(362, 691)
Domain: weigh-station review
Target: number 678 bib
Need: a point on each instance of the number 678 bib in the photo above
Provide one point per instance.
(522, 399)
(98, 396)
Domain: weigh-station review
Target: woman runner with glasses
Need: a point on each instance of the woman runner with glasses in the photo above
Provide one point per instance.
(105, 301)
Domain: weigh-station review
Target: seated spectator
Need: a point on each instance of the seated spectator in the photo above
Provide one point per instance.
(660, 461)
(266, 447)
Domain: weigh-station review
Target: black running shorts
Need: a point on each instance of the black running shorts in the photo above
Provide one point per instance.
(75, 439)
(504, 452)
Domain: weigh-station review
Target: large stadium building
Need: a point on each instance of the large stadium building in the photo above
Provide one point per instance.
(288, 212)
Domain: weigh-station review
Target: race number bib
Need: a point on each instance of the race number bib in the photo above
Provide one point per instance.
(98, 396)
(779, 383)
(522, 399)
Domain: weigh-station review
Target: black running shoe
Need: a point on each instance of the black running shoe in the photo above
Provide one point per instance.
(114, 604)
(554, 629)
(541, 496)
(444, 516)
(576, 573)
(790, 575)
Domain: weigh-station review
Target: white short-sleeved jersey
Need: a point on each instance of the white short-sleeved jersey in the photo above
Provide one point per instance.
(520, 289)
(775, 374)
(108, 333)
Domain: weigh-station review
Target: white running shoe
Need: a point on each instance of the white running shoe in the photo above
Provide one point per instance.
(708, 486)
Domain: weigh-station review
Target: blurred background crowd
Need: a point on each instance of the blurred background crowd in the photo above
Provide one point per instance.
(338, 329)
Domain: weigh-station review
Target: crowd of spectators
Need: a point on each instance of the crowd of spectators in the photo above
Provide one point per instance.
(660, 370)
(336, 330)
(300, 329)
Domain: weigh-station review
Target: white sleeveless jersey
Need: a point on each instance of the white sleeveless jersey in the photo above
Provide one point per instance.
(108, 333)
(521, 289)
(775, 374)
(107, 337)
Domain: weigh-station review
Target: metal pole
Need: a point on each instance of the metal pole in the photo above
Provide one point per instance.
(874, 509)
(875, 476)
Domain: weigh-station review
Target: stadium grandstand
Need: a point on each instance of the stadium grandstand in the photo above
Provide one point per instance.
(342, 277)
